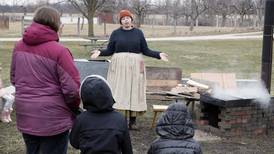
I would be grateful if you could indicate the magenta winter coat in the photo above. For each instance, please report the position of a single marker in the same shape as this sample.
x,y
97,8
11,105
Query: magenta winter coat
x,y
46,81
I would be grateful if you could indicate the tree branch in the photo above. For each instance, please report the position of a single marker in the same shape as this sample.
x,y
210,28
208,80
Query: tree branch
x,y
78,7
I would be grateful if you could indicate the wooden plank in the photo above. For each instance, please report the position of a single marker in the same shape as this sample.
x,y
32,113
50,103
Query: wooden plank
x,y
197,84
157,88
160,108
157,97
163,73
229,81
163,83
162,78
224,80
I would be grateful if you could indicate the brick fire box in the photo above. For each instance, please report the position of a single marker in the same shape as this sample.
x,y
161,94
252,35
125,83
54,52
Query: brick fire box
x,y
239,117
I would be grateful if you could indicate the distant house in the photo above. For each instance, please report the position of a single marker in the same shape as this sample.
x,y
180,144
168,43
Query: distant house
x,y
107,17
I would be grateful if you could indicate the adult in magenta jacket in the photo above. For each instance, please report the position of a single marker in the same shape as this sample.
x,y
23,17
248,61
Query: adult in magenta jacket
x,y
47,85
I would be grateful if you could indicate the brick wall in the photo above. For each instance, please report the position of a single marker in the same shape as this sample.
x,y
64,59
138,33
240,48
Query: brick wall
x,y
251,120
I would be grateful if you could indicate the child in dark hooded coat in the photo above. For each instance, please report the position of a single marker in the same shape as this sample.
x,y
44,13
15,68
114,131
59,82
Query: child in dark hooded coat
x,y
176,131
99,129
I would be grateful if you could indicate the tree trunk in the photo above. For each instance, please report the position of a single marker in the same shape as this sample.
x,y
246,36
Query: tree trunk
x,y
259,17
223,20
235,20
242,20
175,25
78,26
191,25
139,19
217,21
249,17
152,26
255,21
197,22
166,21
83,22
90,24
186,20
105,28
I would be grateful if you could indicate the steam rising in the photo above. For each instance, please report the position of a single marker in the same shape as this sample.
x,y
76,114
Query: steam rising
x,y
255,90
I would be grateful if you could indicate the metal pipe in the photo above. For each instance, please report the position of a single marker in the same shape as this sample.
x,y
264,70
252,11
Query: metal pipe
x,y
266,69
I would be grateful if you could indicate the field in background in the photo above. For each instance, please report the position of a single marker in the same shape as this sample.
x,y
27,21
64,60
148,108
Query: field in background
x,y
149,30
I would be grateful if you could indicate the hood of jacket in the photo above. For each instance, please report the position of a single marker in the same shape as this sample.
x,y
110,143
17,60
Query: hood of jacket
x,y
175,123
37,34
96,94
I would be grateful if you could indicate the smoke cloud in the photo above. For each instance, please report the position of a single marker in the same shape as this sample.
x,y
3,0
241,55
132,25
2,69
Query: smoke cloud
x,y
248,90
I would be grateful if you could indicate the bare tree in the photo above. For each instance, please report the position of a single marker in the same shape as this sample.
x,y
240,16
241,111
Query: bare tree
x,y
166,8
242,7
88,9
223,8
193,9
4,8
122,4
106,9
140,9
176,13
259,9
42,2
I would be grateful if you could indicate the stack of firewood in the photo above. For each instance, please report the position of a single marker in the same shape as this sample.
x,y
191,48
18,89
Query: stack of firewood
x,y
190,88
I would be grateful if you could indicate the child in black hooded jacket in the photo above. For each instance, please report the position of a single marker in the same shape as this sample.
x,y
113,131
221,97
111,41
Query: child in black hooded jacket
x,y
100,129
175,129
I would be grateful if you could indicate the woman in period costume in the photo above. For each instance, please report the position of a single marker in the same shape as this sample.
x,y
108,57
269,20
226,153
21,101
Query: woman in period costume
x,y
126,73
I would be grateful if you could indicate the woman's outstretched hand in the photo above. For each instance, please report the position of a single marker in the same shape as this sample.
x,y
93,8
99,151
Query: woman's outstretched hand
x,y
164,56
95,54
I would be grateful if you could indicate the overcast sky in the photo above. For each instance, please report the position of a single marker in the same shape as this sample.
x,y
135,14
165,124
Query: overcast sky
x,y
24,2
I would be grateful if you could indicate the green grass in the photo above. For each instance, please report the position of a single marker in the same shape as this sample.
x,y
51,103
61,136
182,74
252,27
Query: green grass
x,y
5,58
242,57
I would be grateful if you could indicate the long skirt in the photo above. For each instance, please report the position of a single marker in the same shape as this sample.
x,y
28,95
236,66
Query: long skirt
x,y
127,78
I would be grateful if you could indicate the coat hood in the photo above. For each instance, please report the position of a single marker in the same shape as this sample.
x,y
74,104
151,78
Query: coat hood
x,y
96,94
37,34
175,123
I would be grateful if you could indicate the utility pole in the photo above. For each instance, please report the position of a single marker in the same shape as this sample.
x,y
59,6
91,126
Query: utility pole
x,y
266,70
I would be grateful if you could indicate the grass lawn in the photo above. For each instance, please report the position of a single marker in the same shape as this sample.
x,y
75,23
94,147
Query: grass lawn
x,y
242,57
149,30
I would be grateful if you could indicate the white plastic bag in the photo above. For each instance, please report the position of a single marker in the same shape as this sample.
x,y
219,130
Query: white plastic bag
x,y
6,104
